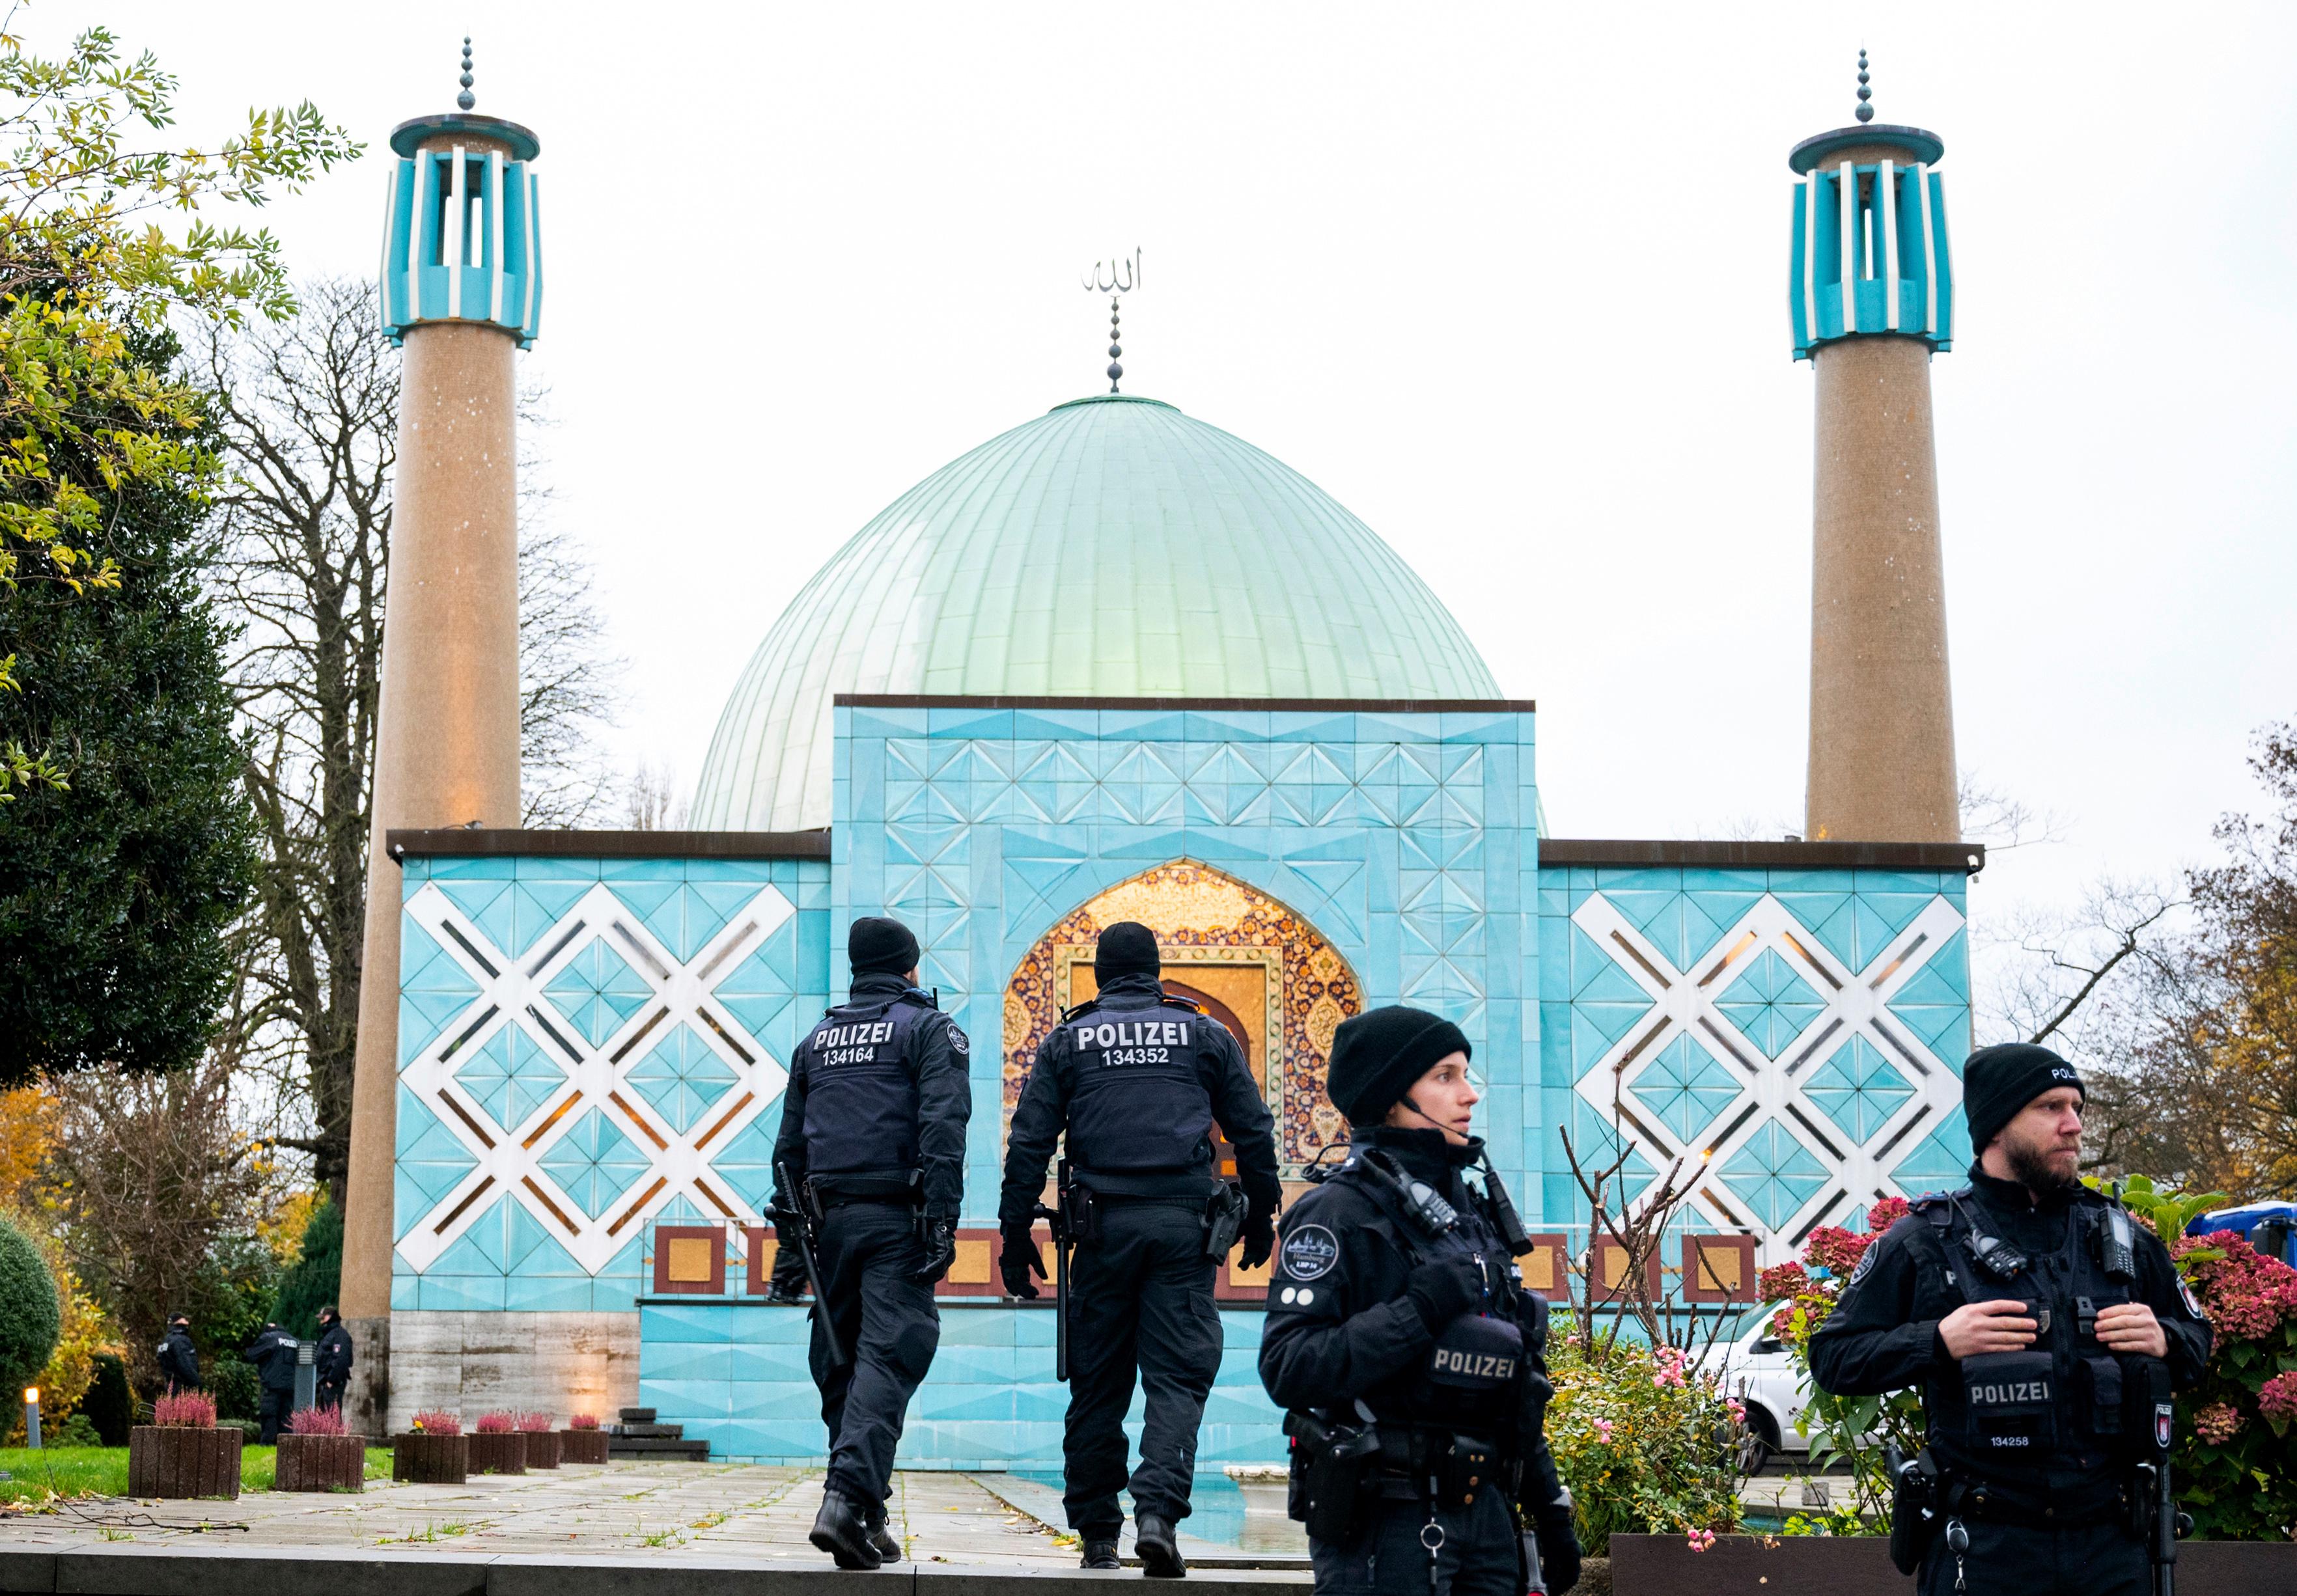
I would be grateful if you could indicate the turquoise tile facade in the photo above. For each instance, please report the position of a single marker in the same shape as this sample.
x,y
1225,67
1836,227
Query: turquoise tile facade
x,y
593,1046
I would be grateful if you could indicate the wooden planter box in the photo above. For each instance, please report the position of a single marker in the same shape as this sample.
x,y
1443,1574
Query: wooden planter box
x,y
497,1453
321,1463
1860,1566
541,1448
431,1460
171,1460
582,1446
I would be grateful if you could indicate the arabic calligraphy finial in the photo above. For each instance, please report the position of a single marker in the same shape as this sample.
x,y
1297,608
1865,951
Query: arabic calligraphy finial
x,y
466,99
1866,111
1120,276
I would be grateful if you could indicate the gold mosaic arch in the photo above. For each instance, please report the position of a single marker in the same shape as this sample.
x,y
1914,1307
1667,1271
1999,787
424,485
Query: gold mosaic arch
x,y
1287,985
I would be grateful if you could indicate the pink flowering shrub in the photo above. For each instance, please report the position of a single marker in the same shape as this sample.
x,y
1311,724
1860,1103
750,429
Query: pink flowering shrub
x,y
500,1422
1644,1439
318,1421
583,1421
2277,1399
2218,1423
184,1409
438,1421
535,1424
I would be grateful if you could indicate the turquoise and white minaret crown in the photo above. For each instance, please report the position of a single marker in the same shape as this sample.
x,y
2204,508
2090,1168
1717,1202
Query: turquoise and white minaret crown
x,y
462,235
1870,240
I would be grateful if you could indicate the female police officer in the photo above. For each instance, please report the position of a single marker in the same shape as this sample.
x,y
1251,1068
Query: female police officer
x,y
1408,1356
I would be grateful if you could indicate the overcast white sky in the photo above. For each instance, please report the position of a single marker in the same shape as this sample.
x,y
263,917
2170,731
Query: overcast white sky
x,y
1509,282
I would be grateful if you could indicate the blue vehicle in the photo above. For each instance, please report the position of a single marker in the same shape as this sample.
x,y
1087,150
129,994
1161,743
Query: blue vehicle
x,y
2271,1227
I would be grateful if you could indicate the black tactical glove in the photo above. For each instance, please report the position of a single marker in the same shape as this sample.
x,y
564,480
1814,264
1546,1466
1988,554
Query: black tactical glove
x,y
1018,1259
941,1251
1444,1288
1259,1234
1558,1546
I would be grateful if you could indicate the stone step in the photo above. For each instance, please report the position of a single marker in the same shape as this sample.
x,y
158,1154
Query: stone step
x,y
657,1447
638,1415
652,1432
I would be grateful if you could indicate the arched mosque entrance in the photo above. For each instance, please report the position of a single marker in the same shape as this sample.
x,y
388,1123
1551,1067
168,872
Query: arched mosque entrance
x,y
1260,968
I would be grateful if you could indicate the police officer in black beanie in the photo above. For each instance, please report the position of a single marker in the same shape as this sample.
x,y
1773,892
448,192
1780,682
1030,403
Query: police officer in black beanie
x,y
1138,1079
1410,1360
873,1131
2047,1333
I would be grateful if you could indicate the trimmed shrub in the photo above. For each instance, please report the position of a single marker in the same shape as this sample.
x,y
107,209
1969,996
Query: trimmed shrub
x,y
110,1405
30,1317
314,1279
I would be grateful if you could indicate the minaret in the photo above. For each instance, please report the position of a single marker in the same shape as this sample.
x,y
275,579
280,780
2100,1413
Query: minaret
x,y
1873,299
461,292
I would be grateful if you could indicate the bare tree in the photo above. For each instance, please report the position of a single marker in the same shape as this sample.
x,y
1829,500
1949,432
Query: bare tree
x,y
309,413
652,801
150,1172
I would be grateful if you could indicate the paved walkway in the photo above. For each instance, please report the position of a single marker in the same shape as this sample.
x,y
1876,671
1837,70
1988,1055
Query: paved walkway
x,y
705,1509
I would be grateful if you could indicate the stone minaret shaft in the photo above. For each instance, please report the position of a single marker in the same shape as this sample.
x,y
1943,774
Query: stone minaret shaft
x,y
1872,297
461,292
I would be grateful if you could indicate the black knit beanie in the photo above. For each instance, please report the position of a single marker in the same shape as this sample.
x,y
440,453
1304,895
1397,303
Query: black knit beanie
x,y
879,946
1127,948
1378,1054
1999,1081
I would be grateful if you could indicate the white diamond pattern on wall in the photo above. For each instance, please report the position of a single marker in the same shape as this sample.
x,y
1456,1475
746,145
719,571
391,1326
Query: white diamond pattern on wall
x,y
594,1077
1775,1063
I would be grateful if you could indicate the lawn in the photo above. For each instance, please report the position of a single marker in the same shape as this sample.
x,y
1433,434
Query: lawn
x,y
103,1470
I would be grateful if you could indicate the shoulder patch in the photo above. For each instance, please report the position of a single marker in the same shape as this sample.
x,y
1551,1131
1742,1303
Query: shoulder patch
x,y
1310,1252
959,1042
2192,1306
1865,1263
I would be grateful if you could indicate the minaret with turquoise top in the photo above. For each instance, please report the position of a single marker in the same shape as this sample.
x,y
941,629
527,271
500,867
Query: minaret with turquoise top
x,y
1870,296
460,292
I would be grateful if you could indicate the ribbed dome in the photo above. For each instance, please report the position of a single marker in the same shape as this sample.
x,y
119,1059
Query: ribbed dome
x,y
1113,547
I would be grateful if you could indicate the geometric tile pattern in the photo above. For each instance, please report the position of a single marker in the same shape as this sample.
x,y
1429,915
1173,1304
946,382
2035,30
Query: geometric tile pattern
x,y
1799,1032
571,1070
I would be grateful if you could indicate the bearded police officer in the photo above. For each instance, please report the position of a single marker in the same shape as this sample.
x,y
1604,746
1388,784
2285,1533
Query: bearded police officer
x,y
873,1136
1410,1360
2047,1333
1138,1079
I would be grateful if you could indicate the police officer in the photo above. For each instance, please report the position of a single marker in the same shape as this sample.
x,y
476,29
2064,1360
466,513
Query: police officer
x,y
273,1353
873,1133
1410,1360
179,1362
333,1359
2043,1328
1138,1079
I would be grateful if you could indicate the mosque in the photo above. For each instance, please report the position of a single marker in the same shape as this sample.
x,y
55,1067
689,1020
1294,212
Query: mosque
x,y
1115,663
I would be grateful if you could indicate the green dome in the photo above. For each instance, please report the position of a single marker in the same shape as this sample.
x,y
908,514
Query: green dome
x,y
1111,548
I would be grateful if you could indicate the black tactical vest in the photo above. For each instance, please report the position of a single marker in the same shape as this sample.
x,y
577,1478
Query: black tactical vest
x,y
2065,1396
1139,1101
861,1086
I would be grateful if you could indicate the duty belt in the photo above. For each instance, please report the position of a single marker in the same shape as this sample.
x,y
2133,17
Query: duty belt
x,y
1993,1503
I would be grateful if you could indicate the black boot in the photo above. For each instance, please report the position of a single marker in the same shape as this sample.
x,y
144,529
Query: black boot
x,y
840,1530
881,1541
1160,1553
1100,1552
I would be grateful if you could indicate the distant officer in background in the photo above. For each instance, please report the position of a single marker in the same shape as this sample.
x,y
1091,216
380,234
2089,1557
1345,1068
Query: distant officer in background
x,y
273,1353
1137,1080
2048,1332
1410,1361
179,1361
331,1370
873,1132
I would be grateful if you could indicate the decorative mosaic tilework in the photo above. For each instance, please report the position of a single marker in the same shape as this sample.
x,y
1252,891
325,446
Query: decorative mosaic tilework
x,y
1802,1031
1192,906
587,1046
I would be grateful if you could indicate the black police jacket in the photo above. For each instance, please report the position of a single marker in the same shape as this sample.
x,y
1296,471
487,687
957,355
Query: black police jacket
x,y
333,1359
273,1353
1341,1328
1137,1080
881,1085
180,1364
2041,1422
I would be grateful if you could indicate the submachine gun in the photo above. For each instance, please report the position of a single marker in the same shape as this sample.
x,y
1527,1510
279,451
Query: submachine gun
x,y
1067,1223
795,1226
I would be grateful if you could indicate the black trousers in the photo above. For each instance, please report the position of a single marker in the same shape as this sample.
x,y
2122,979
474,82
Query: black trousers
x,y
1140,1301
2018,1559
1476,1555
273,1413
888,1324
329,1395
